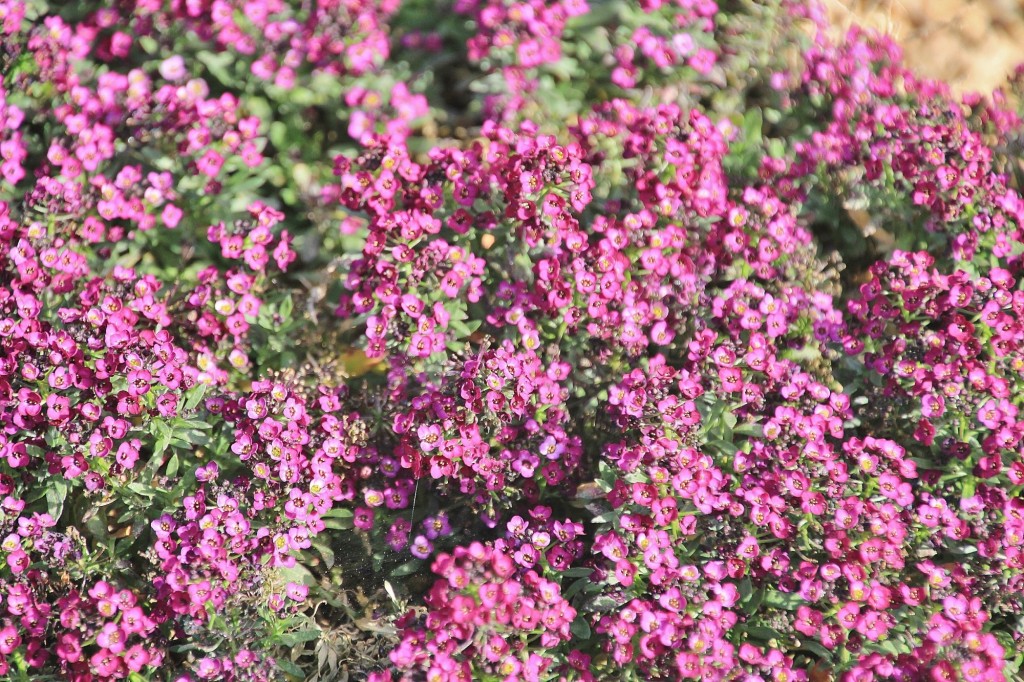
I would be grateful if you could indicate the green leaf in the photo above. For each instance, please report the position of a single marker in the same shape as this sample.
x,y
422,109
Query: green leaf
x,y
889,646
297,574
22,64
286,308
607,517
783,600
753,122
279,134
575,588
193,424
817,649
164,436
56,494
194,396
578,572
172,466
390,589
293,638
762,633
723,446
730,420
290,668
141,489
408,568
749,429
463,330
217,64
339,524
602,603
755,601
148,44
745,588
326,552
94,523
580,628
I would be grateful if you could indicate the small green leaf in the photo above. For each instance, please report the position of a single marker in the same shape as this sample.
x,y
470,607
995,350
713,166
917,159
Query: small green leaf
x,y
196,424
56,493
164,436
817,649
408,568
217,64
290,668
172,465
575,588
723,446
194,396
602,603
339,524
463,330
578,572
783,600
293,638
326,552
141,489
749,429
762,633
286,307
297,574
390,589
753,122
148,44
755,601
580,628
607,517
730,420
95,525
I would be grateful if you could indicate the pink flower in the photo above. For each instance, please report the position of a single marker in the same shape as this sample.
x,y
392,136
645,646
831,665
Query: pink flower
x,y
210,163
171,215
173,68
9,639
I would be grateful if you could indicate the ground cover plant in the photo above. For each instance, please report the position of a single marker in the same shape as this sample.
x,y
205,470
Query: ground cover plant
x,y
494,340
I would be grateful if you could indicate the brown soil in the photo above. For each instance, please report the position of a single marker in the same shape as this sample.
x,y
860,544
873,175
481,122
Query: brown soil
x,y
972,44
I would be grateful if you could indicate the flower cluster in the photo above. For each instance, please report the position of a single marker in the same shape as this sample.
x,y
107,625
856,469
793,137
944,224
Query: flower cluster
x,y
596,400
487,616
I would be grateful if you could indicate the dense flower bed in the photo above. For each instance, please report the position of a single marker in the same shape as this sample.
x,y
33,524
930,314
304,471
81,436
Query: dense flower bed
x,y
494,340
